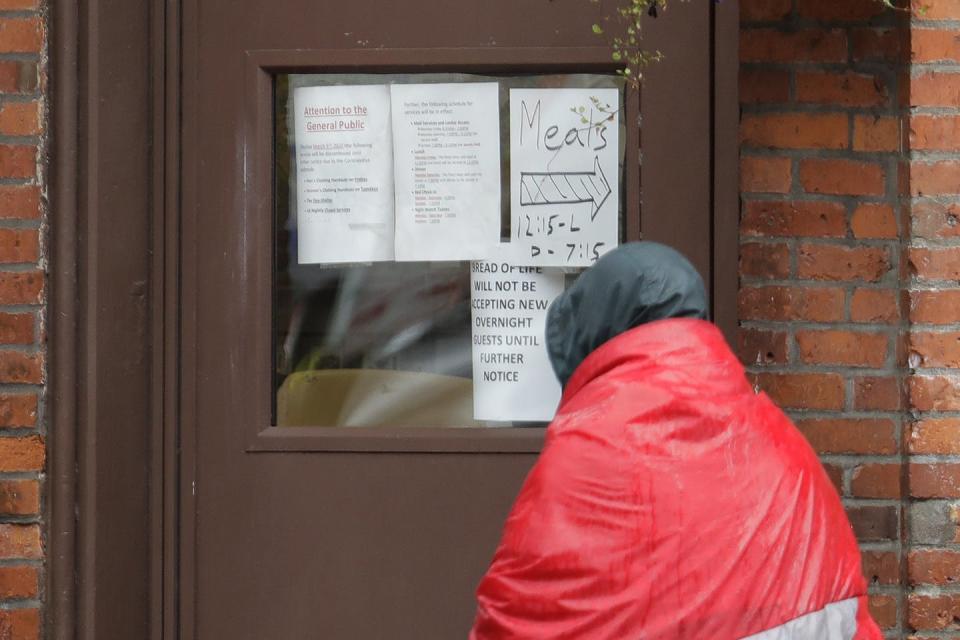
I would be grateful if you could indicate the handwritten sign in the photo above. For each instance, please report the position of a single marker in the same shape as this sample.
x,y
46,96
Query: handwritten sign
x,y
344,151
447,153
512,376
564,192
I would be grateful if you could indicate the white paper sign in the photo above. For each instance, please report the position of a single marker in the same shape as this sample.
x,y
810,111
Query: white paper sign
x,y
344,174
447,173
564,192
512,376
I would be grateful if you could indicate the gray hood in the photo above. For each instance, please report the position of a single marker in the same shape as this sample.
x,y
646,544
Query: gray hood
x,y
634,284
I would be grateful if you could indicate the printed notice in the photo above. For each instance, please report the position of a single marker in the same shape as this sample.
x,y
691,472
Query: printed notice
x,y
344,174
564,194
512,376
447,170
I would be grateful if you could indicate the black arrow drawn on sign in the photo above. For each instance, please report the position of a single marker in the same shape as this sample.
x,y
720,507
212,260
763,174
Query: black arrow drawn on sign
x,y
565,187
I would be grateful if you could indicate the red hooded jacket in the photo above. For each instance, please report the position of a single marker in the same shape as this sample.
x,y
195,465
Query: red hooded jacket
x,y
672,501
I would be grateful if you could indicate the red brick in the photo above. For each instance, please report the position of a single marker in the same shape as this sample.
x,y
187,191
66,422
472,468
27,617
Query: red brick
x,y
934,45
755,346
18,410
875,305
873,522
19,245
935,89
934,566
834,11
935,307
876,481
828,262
19,201
835,474
874,436
934,133
764,10
881,567
765,175
794,130
936,9
19,497
934,393
935,349
18,582
18,76
9,76
803,390
18,4
935,264
883,609
933,613
33,77
934,220
842,177
874,221
848,89
764,260
876,133
20,368
20,35
877,394
847,348
935,480
19,118
804,45
16,328
791,303
18,161
19,541
22,454
935,436
19,624
794,219
875,45
764,86
21,287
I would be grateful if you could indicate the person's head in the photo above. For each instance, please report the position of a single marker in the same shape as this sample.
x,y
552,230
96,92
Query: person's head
x,y
634,284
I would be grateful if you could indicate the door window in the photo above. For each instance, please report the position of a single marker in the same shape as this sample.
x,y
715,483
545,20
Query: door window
x,y
364,339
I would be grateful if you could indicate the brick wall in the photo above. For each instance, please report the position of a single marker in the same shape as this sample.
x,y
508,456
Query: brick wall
x,y
850,272
931,216
22,448
821,321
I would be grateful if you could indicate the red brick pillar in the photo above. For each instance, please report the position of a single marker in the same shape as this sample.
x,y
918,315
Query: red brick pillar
x,y
21,317
932,216
821,248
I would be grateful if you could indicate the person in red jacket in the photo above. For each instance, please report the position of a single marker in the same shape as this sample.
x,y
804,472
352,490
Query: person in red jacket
x,y
671,501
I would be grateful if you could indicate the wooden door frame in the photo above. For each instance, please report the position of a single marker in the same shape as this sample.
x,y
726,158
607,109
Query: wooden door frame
x,y
111,512
108,515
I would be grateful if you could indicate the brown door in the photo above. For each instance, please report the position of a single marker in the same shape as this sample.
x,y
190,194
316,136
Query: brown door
x,y
326,531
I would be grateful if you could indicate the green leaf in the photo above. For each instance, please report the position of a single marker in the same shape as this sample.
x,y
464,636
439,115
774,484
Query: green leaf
x,y
597,29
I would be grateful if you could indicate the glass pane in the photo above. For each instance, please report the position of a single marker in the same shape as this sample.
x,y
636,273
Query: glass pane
x,y
382,343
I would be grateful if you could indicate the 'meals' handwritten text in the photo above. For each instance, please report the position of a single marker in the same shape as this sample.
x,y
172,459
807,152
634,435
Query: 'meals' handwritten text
x,y
531,125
